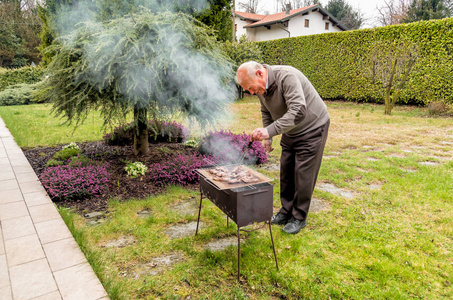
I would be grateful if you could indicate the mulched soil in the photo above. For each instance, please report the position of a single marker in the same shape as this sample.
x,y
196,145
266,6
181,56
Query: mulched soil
x,y
121,186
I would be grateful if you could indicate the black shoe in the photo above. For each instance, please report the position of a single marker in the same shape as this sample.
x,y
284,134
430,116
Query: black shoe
x,y
280,219
294,226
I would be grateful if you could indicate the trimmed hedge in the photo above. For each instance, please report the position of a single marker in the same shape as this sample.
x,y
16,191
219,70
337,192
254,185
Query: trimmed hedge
x,y
28,75
19,94
337,63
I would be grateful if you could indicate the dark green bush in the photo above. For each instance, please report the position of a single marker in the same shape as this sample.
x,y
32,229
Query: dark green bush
x,y
338,64
19,94
28,75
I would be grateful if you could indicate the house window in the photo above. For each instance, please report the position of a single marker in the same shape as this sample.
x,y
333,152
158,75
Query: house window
x,y
327,25
307,22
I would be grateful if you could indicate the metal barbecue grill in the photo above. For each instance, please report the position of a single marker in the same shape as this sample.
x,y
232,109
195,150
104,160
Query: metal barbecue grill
x,y
245,204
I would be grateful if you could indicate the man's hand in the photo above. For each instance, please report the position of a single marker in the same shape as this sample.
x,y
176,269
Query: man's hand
x,y
267,144
260,134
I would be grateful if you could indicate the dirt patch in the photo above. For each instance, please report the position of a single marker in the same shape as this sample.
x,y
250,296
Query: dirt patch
x,y
182,230
222,244
156,266
121,242
317,205
186,207
121,186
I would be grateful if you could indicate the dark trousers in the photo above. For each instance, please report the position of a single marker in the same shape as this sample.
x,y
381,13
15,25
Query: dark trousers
x,y
299,166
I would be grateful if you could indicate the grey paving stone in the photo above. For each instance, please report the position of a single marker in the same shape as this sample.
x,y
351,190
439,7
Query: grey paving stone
x,y
32,279
10,184
79,282
330,188
10,196
51,296
63,254
22,169
45,212
37,198
53,230
27,177
2,245
30,186
13,210
17,227
7,175
428,163
23,250
5,286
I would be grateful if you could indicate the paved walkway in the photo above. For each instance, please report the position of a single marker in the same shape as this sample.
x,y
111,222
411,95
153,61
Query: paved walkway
x,y
39,258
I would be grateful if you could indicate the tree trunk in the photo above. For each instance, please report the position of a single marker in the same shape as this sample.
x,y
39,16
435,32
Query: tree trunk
x,y
141,144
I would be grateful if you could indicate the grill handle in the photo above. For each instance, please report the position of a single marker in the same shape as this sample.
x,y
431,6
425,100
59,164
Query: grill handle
x,y
255,192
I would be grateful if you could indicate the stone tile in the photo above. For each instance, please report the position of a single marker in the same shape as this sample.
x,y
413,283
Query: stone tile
x,y
6,175
45,212
23,250
10,196
79,282
5,287
4,160
16,155
53,230
19,162
13,210
2,245
10,184
51,296
22,169
17,227
63,254
37,198
6,166
27,177
32,279
30,187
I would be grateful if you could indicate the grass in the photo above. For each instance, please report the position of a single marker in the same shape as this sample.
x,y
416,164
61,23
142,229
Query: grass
x,y
393,242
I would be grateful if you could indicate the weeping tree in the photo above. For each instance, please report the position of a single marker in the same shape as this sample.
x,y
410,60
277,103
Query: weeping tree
x,y
389,65
153,65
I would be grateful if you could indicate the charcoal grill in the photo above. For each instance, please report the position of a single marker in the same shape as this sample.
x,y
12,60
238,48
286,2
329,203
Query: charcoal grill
x,y
245,204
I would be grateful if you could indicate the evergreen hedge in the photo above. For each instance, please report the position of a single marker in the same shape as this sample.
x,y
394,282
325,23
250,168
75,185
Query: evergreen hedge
x,y
338,63
28,75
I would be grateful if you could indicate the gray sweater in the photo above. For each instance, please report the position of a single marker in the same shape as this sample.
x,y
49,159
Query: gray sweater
x,y
291,104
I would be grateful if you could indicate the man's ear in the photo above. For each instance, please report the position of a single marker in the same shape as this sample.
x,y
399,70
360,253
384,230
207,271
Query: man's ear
x,y
259,73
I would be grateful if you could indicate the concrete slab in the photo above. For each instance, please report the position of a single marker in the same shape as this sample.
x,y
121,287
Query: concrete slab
x,y
32,279
10,196
36,198
13,210
23,250
51,231
45,212
17,227
10,184
5,284
63,254
79,282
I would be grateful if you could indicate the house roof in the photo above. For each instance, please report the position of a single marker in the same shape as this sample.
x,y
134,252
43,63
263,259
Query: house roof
x,y
283,17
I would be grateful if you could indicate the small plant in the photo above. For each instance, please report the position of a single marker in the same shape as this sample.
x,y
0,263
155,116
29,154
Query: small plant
x,y
192,143
135,169
71,146
53,163
65,154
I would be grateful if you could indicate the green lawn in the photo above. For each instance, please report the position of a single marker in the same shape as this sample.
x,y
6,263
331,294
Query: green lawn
x,y
392,240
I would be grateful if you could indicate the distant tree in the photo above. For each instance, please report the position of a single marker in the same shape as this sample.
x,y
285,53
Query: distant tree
x,y
19,26
281,4
151,65
240,52
389,65
249,6
426,10
217,16
393,11
345,13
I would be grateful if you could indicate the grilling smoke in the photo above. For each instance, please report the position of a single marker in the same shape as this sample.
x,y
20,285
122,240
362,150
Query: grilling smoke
x,y
203,91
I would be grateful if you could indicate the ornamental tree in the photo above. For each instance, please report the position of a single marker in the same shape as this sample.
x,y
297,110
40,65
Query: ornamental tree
x,y
153,65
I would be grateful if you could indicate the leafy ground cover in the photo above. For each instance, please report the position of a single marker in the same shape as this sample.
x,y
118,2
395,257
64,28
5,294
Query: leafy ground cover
x,y
389,235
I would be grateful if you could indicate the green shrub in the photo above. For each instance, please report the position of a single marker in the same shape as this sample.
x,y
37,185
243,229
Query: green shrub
x,y
338,64
65,154
19,94
136,169
53,163
28,75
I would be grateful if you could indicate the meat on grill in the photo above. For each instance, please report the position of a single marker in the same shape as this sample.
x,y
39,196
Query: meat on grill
x,y
235,175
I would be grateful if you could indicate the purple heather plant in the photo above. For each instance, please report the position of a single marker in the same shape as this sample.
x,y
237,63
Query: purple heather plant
x,y
179,169
228,148
74,181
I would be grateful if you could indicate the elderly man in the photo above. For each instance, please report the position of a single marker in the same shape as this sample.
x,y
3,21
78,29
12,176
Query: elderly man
x,y
290,106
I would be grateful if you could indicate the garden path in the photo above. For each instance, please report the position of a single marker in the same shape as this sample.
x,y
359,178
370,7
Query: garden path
x,y
39,258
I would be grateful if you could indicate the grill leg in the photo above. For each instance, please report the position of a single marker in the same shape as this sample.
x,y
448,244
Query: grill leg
x,y
199,210
227,221
273,247
239,255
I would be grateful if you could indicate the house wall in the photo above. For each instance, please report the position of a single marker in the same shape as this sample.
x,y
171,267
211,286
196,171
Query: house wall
x,y
296,27
240,30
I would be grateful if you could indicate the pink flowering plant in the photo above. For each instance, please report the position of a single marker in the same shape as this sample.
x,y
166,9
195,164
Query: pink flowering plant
x,y
69,182
228,148
179,169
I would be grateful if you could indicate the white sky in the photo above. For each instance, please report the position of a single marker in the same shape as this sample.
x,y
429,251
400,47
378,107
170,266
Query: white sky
x,y
367,7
